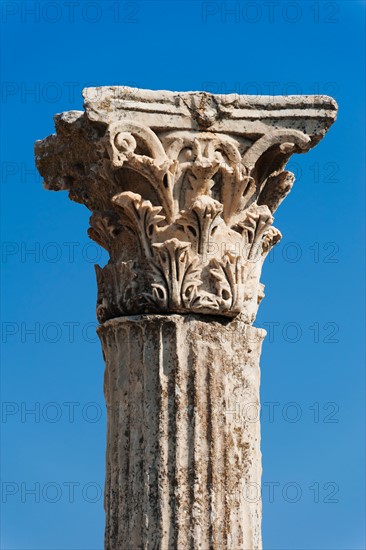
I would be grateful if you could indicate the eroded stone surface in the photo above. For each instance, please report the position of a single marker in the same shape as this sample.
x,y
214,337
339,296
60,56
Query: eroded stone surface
x,y
183,446
182,187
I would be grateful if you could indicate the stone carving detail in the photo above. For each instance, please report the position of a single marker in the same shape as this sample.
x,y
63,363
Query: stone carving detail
x,y
116,289
194,270
181,449
175,275
182,188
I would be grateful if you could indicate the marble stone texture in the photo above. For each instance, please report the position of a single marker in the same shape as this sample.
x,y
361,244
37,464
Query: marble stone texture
x,y
183,444
182,188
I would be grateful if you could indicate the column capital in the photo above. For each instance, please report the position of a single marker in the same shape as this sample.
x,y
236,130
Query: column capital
x,y
182,187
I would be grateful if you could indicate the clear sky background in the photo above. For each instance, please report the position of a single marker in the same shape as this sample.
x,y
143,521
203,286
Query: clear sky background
x,y
312,364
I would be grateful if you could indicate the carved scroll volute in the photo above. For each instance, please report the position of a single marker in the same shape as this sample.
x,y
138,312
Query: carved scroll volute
x,y
138,148
265,161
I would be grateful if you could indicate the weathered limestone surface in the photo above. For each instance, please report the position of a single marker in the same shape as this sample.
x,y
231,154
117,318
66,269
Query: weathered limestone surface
x,y
182,188
183,453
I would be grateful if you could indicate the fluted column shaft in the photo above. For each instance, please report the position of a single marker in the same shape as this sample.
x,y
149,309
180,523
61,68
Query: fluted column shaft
x,y
182,457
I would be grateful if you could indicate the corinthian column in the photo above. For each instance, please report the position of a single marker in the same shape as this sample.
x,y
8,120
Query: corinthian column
x,y
182,188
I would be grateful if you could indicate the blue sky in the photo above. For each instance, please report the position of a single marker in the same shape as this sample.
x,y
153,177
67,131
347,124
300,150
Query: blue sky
x,y
312,363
